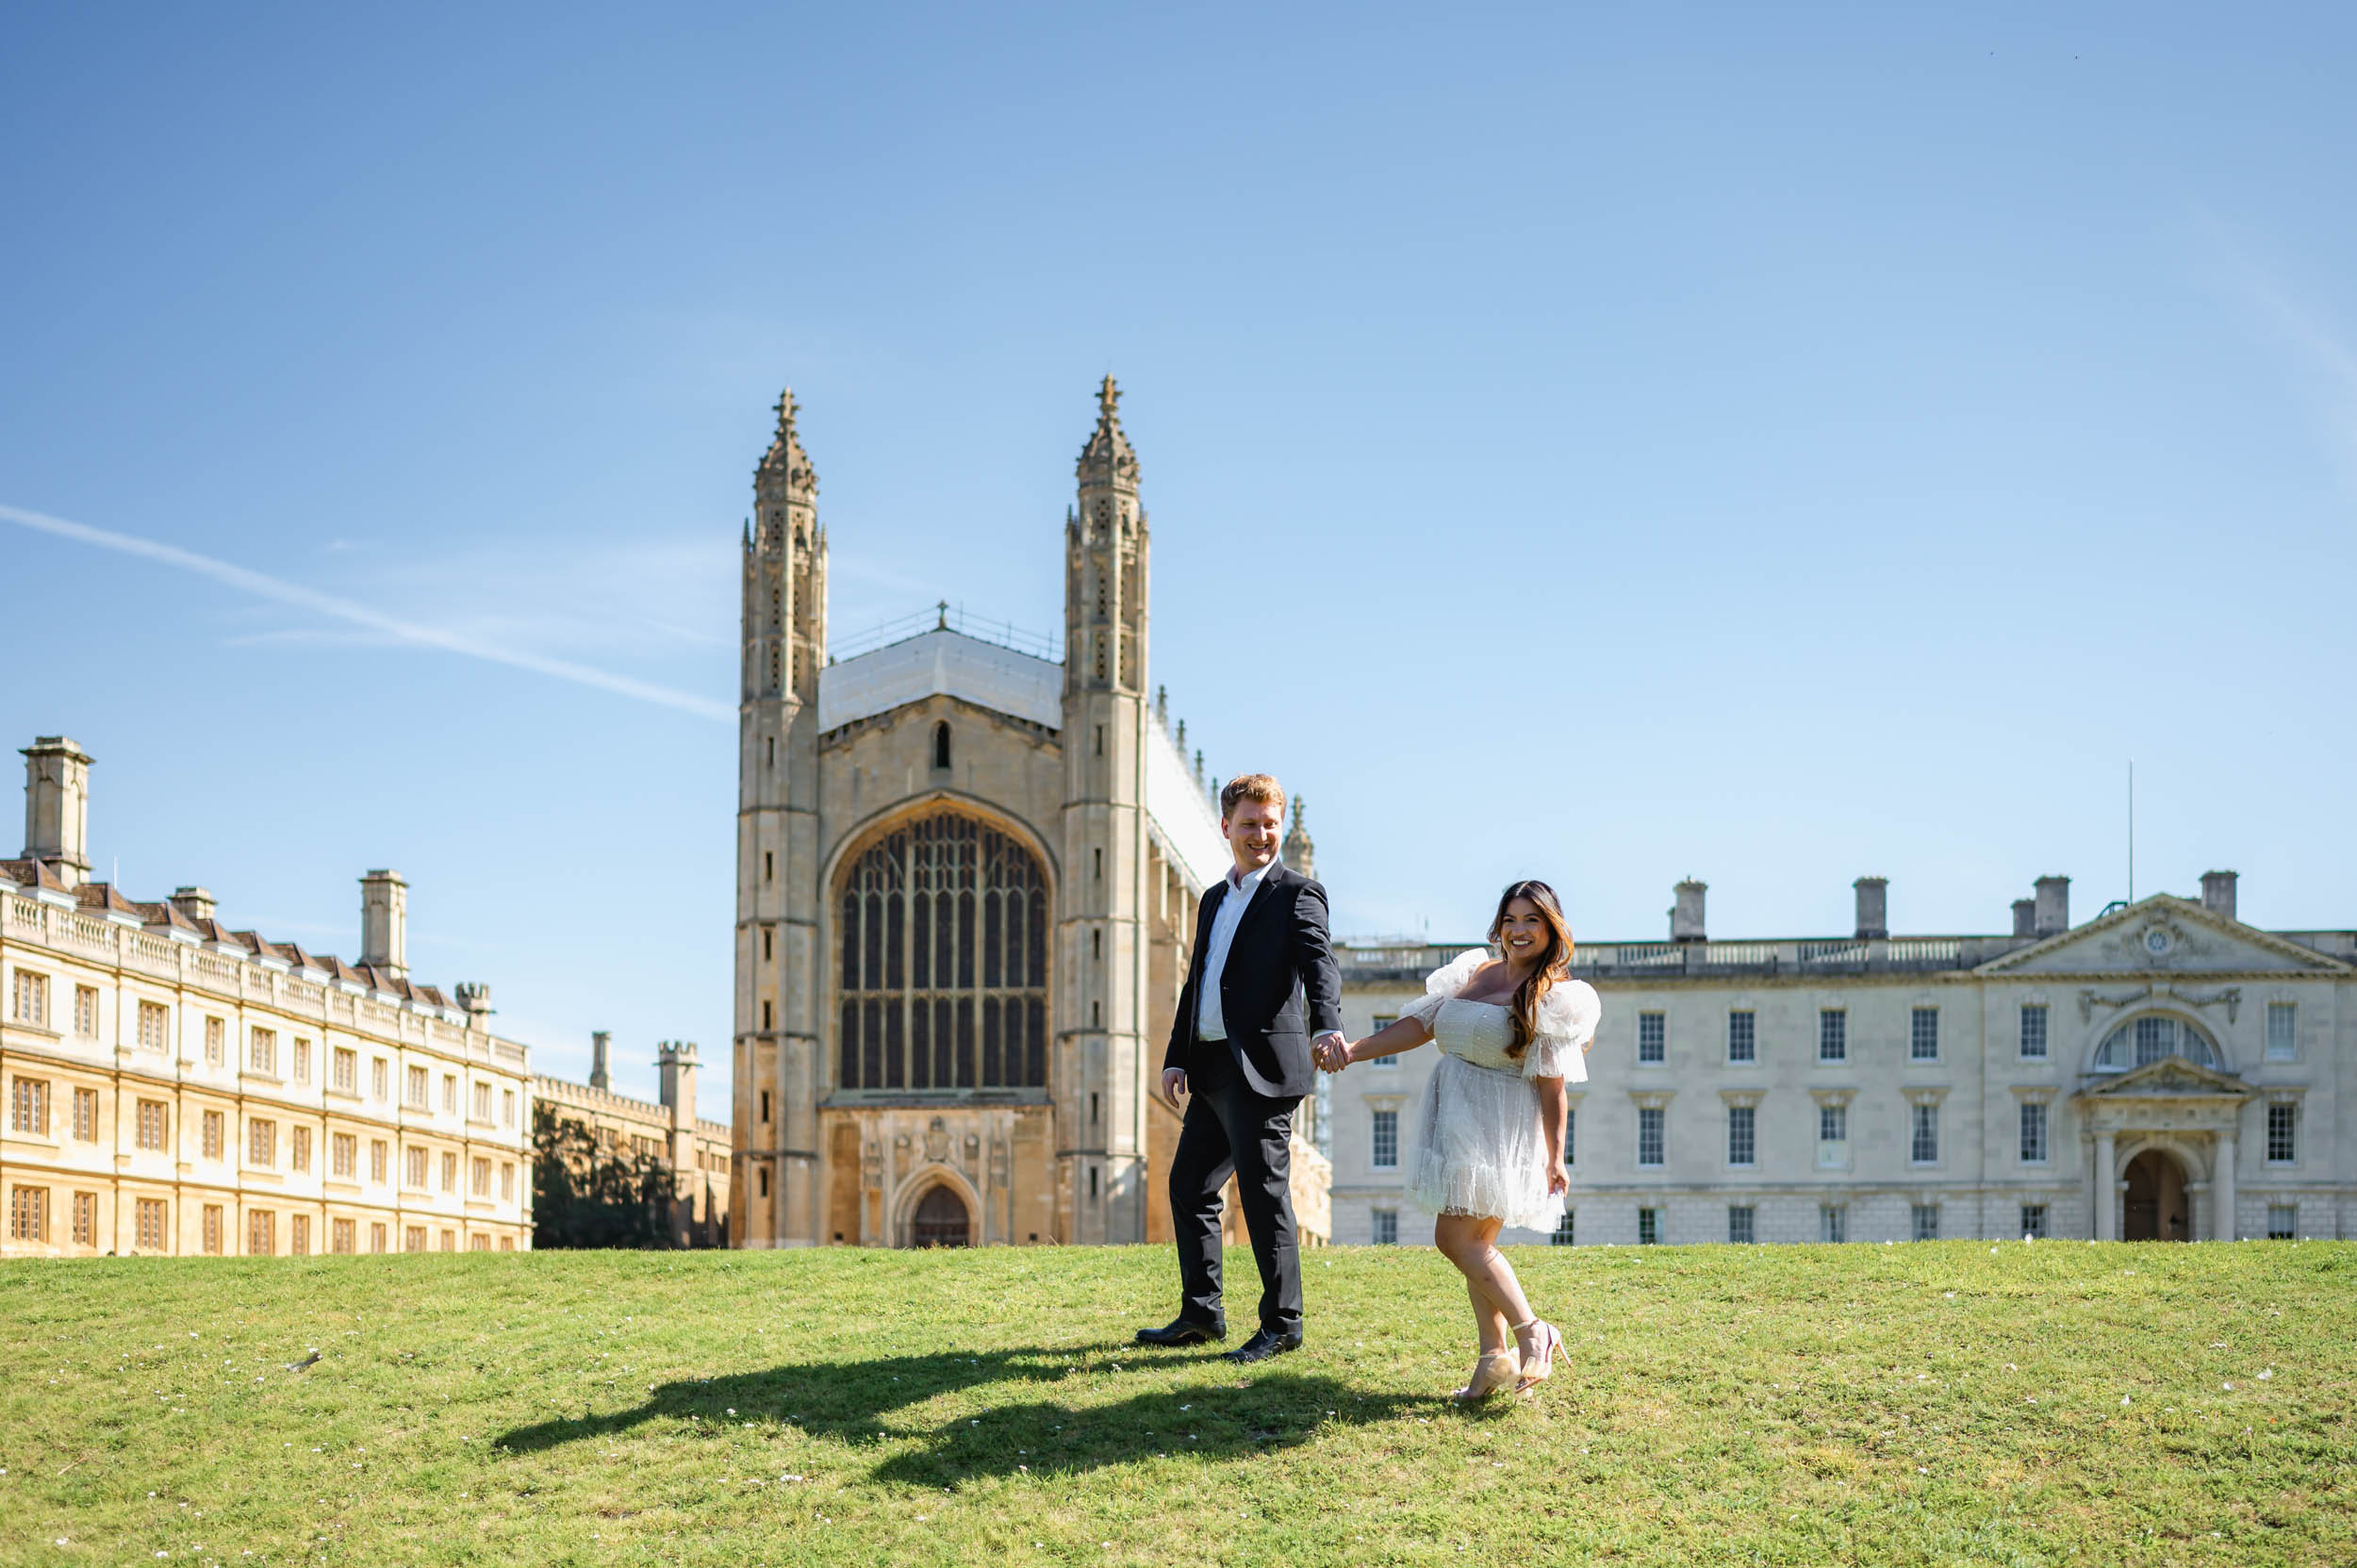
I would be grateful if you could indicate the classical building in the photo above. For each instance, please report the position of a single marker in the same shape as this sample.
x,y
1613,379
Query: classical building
x,y
2163,1071
967,872
175,1086
666,1129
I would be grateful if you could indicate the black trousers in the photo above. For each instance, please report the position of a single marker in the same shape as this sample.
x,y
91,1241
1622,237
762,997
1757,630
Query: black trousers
x,y
1230,1126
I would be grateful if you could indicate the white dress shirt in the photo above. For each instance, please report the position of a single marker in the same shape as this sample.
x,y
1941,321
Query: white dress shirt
x,y
1208,1024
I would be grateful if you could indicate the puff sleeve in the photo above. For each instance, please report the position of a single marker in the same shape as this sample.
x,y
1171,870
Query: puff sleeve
x,y
1445,982
1565,1026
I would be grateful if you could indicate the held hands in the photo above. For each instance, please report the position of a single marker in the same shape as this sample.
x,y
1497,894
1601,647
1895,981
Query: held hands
x,y
1331,1053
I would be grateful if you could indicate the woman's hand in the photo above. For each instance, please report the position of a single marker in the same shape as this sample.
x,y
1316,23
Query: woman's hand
x,y
1558,1180
1332,1055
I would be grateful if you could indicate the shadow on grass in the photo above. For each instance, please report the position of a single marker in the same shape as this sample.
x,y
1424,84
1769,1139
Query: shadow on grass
x,y
1259,1410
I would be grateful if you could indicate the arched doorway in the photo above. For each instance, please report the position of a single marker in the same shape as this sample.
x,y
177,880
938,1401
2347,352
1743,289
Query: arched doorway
x,y
940,1220
2156,1208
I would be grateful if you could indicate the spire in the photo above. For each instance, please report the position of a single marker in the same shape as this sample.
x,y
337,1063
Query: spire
x,y
1108,459
785,466
1297,851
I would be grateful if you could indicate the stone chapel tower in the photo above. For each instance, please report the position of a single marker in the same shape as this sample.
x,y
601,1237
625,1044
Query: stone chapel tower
x,y
1104,1063
778,1067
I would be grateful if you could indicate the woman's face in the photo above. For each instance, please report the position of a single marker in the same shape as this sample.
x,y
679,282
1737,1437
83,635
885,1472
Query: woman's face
x,y
1523,931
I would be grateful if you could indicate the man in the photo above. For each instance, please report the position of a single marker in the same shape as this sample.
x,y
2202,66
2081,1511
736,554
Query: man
x,y
1240,1055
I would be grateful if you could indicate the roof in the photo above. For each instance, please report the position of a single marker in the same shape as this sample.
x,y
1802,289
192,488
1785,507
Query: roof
x,y
99,898
941,663
1179,814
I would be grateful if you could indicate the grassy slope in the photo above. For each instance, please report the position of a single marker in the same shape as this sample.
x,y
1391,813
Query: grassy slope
x,y
1936,1403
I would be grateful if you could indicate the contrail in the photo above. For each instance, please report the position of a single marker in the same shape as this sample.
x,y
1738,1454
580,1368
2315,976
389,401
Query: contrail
x,y
360,615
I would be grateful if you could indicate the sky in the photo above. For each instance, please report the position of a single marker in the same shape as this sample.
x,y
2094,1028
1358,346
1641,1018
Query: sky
x,y
1772,444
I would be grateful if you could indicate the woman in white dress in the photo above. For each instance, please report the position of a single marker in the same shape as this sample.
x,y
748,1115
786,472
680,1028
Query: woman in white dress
x,y
1490,1137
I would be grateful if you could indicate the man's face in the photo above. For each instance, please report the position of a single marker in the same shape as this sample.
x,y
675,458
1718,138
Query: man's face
x,y
1252,832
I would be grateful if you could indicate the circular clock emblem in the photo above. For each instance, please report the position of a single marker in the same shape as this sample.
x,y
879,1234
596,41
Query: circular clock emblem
x,y
2156,941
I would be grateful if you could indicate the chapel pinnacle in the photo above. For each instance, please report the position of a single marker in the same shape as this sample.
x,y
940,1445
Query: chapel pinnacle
x,y
785,457
1108,459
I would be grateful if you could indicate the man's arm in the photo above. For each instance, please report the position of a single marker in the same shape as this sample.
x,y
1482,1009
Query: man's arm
x,y
1314,961
1183,1021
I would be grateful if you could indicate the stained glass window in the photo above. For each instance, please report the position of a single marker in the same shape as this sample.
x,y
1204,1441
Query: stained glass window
x,y
943,972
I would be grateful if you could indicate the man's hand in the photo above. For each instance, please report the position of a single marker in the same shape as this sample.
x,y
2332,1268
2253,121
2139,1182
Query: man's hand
x,y
1331,1051
1173,1084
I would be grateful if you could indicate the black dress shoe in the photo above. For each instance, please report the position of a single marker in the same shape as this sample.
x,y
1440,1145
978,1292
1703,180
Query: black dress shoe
x,y
1262,1346
1183,1333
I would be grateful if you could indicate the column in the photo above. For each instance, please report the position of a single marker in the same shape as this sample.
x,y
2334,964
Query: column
x,y
2223,1188
2107,1189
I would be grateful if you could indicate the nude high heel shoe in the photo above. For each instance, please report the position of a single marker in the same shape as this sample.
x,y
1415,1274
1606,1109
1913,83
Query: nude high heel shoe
x,y
1492,1372
1540,1364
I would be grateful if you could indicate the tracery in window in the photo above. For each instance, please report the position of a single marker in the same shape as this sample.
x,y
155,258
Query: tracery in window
x,y
2152,1038
943,961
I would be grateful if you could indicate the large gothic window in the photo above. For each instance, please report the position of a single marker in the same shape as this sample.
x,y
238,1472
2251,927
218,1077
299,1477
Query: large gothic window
x,y
944,973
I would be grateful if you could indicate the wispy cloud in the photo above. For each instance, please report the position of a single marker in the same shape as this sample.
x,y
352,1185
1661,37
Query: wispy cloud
x,y
657,595
315,636
2329,354
394,628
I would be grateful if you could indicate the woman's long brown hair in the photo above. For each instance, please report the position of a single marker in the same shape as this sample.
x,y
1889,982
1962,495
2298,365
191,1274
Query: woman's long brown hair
x,y
1554,964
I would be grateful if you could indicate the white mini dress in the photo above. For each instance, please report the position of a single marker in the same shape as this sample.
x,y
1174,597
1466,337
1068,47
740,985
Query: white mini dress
x,y
1479,1149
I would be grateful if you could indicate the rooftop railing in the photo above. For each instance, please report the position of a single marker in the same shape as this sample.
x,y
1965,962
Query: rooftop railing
x,y
1640,960
945,617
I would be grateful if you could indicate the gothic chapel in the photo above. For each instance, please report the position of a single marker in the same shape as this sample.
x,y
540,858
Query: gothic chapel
x,y
967,882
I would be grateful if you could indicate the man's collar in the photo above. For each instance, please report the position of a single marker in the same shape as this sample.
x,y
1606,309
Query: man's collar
x,y
1250,879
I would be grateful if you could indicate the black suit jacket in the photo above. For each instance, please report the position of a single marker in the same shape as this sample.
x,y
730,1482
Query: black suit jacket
x,y
1280,967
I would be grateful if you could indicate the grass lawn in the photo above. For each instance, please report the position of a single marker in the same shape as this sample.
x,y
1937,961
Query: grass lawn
x,y
1938,1403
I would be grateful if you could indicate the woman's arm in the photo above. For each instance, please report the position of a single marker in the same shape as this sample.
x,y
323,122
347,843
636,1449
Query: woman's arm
x,y
1398,1036
1552,1104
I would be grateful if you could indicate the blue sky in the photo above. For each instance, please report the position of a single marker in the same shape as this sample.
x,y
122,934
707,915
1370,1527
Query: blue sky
x,y
1773,444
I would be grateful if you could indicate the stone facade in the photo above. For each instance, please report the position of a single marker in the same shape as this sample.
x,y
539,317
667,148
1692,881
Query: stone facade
x,y
968,868
2161,1071
668,1130
175,1086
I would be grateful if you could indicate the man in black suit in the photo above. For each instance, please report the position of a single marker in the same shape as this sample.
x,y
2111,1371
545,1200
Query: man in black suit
x,y
1240,1053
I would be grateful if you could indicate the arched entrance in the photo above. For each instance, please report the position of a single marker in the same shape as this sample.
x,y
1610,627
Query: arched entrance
x,y
2156,1207
940,1220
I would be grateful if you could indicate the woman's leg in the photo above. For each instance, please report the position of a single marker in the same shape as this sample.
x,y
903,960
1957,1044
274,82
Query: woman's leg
x,y
1469,1241
1496,1333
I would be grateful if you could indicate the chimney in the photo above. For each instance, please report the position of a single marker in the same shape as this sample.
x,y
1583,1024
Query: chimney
x,y
2025,917
384,923
2053,906
194,903
1874,908
56,808
1686,915
475,997
675,1066
2217,893
599,1077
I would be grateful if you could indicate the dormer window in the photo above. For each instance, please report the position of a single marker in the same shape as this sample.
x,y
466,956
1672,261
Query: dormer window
x,y
2140,1042
941,744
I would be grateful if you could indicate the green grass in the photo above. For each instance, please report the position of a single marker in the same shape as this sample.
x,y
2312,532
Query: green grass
x,y
1947,1402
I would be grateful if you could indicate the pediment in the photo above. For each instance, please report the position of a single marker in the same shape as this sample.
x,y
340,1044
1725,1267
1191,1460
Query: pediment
x,y
2172,1078
2163,935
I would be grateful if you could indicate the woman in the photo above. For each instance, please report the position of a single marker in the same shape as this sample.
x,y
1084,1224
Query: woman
x,y
1511,1031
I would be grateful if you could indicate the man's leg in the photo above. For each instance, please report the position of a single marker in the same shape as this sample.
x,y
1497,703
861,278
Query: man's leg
x,y
1199,1169
1259,1132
